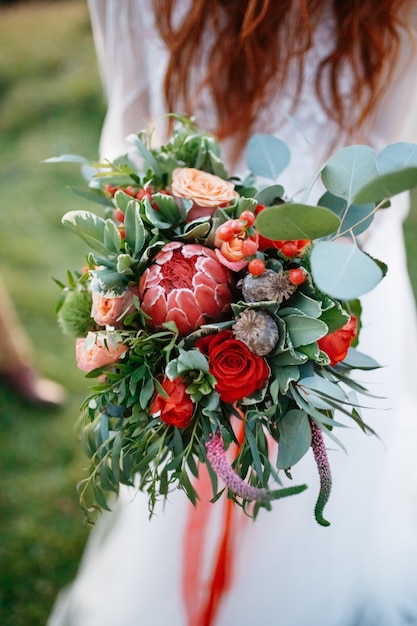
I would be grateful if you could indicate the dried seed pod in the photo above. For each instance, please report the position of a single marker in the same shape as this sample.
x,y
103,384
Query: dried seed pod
x,y
257,330
271,285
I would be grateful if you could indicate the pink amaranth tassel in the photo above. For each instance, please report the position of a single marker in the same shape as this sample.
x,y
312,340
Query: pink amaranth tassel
x,y
217,459
320,456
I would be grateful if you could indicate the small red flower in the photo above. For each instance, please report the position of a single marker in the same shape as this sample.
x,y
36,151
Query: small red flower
x,y
238,371
336,345
178,408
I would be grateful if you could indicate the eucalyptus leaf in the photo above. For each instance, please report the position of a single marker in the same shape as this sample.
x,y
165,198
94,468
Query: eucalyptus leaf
x,y
343,271
271,195
396,167
291,221
267,156
294,438
355,218
348,170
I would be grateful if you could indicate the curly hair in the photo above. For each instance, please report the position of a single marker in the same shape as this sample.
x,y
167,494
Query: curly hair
x,y
250,46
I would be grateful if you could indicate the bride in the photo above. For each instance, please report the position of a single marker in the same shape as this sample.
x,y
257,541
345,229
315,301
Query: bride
x,y
319,74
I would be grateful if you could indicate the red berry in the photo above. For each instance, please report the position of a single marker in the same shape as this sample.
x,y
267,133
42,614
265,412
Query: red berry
x,y
256,267
111,189
225,233
236,226
131,191
289,248
143,193
259,208
119,215
249,247
248,216
297,276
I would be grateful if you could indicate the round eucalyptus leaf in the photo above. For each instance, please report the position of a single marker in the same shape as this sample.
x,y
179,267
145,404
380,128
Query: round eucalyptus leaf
x,y
296,221
396,172
267,156
356,217
349,170
343,271
270,195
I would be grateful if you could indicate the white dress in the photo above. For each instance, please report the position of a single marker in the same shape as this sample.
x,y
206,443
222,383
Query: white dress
x,y
360,571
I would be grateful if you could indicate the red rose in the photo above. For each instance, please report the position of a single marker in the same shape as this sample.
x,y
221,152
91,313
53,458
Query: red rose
x,y
237,370
336,344
178,408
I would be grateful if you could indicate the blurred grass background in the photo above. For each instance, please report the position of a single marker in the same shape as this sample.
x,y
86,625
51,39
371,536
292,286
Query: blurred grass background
x,y
50,103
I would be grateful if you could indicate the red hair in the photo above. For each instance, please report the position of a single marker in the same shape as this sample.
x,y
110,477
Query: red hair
x,y
247,48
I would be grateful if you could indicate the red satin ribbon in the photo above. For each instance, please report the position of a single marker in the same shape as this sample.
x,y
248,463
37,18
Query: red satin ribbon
x,y
202,598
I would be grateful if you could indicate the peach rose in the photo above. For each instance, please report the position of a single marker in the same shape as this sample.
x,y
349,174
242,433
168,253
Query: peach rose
x,y
231,254
109,310
207,191
98,354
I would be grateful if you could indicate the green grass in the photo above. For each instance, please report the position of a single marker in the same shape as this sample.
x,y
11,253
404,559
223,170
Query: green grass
x,y
50,103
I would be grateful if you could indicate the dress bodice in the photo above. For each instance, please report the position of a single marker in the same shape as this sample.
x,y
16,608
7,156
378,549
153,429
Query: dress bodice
x,y
133,59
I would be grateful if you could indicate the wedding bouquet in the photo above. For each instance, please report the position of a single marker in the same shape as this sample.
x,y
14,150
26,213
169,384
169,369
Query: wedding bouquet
x,y
220,318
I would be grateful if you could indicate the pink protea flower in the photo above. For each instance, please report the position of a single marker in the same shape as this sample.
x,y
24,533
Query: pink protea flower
x,y
186,284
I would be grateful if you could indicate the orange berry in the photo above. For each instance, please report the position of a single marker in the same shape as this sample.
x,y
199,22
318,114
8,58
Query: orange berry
x,y
256,267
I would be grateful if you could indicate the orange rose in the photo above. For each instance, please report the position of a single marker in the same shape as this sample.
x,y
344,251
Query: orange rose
x,y
110,310
207,191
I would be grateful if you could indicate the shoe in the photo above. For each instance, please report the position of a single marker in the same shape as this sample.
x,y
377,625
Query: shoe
x,y
33,389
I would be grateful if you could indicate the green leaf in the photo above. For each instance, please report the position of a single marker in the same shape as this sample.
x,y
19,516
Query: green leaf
x,y
348,170
146,393
267,156
296,221
396,167
135,233
149,159
268,196
358,360
314,389
343,271
112,238
304,330
67,158
356,218
294,438
89,227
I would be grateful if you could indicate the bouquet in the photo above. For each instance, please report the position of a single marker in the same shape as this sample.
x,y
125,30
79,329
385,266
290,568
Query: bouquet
x,y
219,318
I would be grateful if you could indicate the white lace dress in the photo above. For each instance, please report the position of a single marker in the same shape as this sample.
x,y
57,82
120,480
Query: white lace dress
x,y
360,571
